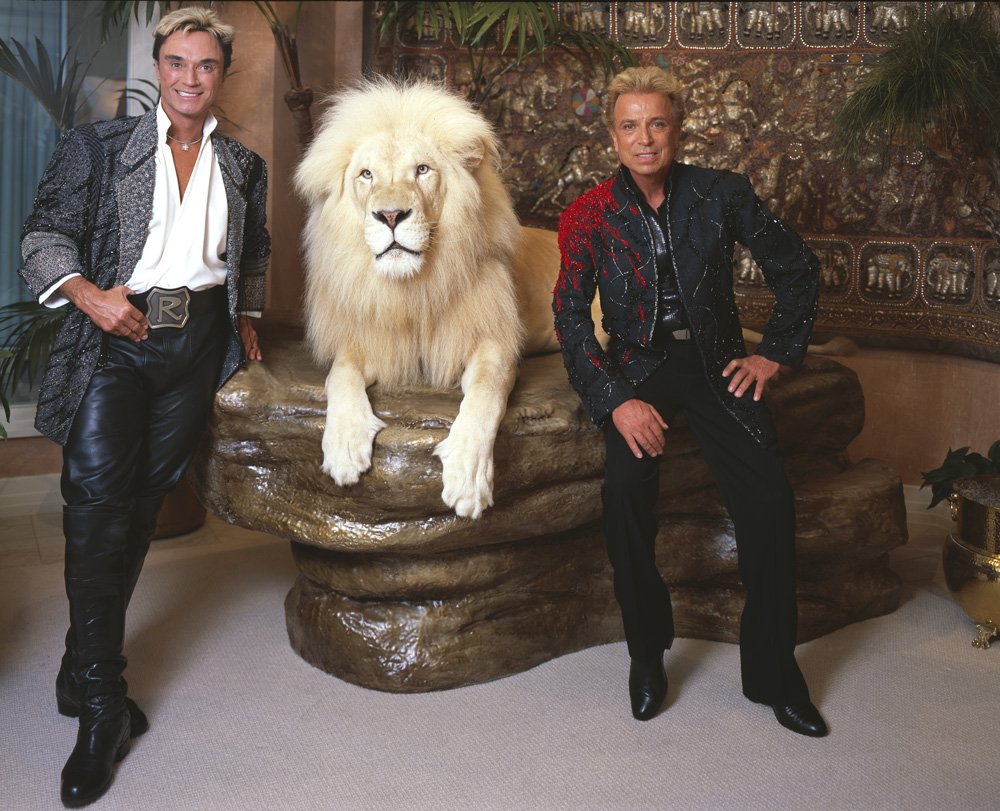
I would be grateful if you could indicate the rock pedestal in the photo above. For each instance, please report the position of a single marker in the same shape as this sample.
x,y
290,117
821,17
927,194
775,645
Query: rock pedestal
x,y
397,593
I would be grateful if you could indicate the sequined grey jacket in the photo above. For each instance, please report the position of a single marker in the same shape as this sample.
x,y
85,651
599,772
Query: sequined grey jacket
x,y
91,216
607,246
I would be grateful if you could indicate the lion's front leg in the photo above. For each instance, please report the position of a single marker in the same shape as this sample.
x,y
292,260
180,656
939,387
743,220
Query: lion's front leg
x,y
467,452
351,425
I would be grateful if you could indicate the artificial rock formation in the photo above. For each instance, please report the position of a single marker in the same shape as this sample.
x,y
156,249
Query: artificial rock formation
x,y
397,593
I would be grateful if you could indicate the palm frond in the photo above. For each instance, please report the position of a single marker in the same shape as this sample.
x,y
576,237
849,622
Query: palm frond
x,y
940,77
29,329
115,13
519,31
54,84
147,93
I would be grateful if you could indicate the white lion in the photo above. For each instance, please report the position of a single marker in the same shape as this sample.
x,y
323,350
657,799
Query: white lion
x,y
418,272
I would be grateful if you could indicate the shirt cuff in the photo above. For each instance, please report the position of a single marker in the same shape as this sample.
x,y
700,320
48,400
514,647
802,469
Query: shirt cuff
x,y
51,298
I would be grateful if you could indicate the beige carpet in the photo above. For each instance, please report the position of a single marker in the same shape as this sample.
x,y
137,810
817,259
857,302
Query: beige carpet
x,y
240,722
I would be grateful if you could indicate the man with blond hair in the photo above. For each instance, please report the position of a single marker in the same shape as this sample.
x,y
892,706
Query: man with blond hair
x,y
656,243
151,232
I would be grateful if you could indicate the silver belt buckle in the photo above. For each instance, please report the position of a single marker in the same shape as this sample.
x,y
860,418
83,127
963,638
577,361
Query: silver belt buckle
x,y
682,334
168,308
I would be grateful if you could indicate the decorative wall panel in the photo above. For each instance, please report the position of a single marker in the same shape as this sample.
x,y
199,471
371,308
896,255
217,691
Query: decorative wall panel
x,y
906,260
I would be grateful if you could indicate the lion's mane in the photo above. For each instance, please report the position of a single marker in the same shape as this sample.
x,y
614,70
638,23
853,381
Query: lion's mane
x,y
421,328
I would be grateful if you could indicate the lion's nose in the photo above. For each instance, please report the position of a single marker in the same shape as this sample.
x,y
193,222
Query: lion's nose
x,y
391,217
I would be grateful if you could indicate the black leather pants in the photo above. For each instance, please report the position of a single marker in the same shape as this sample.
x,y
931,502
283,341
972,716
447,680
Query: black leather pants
x,y
131,441
760,502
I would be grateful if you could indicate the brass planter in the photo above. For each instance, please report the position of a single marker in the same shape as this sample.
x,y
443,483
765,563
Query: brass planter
x,y
971,554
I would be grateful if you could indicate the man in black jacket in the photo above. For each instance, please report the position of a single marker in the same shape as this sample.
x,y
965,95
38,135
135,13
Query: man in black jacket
x,y
656,242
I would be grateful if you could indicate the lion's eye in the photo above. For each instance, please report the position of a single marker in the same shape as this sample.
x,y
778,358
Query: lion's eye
x,y
423,169
366,174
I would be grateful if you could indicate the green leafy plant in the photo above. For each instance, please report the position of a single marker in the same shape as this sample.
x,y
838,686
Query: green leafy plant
x,y
938,80
936,86
519,31
30,329
55,84
957,465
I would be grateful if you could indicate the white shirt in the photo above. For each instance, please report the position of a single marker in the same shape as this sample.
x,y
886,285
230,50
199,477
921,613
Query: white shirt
x,y
186,238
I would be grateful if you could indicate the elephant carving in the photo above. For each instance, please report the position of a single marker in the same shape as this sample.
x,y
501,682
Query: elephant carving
x,y
644,26
827,22
948,277
889,17
767,23
703,21
586,17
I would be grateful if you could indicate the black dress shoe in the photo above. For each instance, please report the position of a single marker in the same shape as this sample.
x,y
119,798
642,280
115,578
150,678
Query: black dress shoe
x,y
68,704
647,687
102,741
802,718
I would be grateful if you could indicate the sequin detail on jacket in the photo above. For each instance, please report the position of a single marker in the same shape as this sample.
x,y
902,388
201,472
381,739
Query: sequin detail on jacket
x,y
607,249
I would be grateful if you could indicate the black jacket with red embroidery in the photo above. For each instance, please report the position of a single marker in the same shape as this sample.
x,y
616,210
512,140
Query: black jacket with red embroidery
x,y
607,246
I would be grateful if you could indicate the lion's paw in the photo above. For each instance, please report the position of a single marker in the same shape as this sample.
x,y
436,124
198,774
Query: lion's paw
x,y
467,475
347,448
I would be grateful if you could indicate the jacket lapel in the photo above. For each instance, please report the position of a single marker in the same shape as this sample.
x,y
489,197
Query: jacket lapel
x,y
688,266
134,194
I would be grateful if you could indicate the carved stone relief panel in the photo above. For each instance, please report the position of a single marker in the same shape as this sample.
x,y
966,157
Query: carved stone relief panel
x,y
888,272
949,275
883,20
644,25
765,25
763,81
991,278
591,18
836,259
703,25
829,24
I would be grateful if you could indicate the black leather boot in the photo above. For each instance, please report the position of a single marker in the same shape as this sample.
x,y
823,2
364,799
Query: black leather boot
x,y
68,701
102,741
142,525
95,575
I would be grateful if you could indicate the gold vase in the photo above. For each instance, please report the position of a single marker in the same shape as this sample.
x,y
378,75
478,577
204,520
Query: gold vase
x,y
971,554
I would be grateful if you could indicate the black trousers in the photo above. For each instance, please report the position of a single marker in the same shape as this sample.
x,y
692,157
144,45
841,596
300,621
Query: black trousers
x,y
131,441
759,499
144,411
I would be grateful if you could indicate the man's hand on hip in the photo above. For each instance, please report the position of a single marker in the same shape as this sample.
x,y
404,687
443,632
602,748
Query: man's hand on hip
x,y
754,370
110,310
641,426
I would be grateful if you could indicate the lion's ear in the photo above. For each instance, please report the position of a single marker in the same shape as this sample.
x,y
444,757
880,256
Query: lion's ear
x,y
479,151
320,173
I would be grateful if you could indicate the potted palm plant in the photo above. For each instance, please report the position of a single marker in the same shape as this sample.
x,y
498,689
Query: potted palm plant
x,y
971,555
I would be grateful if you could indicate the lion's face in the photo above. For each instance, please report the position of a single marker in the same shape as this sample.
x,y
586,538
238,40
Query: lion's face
x,y
399,191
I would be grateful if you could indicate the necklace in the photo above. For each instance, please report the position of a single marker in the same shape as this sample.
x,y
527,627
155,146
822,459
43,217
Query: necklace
x,y
186,145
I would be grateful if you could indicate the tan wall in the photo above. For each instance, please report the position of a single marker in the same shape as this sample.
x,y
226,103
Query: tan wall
x,y
920,404
330,45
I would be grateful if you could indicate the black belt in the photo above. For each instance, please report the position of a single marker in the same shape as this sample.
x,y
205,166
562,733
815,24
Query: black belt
x,y
173,308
